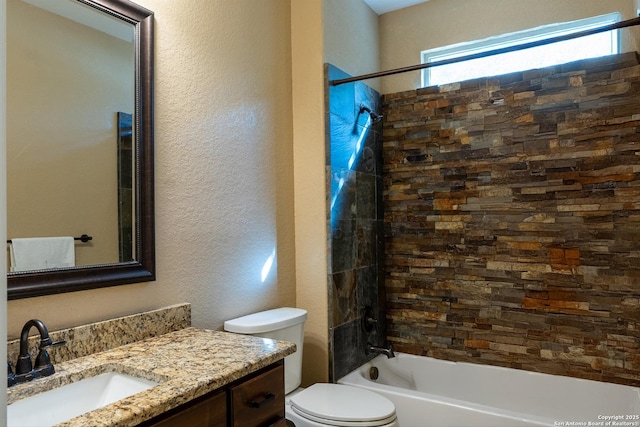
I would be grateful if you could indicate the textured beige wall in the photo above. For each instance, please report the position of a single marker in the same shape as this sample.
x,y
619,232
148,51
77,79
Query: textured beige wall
x,y
62,125
344,33
224,174
309,173
407,32
225,169
3,211
351,38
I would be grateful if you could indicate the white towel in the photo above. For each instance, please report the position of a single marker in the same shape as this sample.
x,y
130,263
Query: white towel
x,y
40,253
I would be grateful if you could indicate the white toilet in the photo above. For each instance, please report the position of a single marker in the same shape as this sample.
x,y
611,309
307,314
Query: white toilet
x,y
319,405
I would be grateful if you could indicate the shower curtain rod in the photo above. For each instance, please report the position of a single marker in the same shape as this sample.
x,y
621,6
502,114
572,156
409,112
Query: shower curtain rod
x,y
617,25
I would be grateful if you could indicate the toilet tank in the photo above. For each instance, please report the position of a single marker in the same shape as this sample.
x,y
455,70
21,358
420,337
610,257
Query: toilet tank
x,y
284,324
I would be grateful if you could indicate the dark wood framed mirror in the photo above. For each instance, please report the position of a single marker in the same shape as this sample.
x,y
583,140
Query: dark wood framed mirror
x,y
139,264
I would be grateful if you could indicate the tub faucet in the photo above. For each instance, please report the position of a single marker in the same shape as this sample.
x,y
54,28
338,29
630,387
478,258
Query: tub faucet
x,y
372,349
43,367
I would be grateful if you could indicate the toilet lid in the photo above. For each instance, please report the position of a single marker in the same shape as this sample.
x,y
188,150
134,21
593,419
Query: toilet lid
x,y
342,405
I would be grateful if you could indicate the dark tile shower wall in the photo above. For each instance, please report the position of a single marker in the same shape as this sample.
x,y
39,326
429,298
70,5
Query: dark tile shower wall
x,y
355,222
513,220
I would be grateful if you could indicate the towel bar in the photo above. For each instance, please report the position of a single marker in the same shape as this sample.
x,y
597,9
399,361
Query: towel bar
x,y
84,238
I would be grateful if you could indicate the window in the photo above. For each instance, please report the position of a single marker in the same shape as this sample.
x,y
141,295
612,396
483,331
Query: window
x,y
600,44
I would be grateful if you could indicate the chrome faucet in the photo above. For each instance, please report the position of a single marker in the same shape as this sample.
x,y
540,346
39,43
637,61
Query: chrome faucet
x,y
42,367
372,349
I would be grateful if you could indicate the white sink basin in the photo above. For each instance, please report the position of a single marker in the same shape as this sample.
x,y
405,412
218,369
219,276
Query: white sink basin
x,y
69,401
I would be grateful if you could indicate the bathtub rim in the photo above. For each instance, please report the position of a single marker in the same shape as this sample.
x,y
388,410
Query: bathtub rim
x,y
357,378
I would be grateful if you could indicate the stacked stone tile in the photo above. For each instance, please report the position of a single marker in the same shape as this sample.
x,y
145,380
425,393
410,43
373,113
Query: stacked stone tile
x,y
512,220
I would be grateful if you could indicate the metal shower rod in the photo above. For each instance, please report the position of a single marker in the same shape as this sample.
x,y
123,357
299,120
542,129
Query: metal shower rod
x,y
610,27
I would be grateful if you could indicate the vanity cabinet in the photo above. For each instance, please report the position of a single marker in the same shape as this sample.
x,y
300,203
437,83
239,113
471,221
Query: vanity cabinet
x,y
256,400
208,411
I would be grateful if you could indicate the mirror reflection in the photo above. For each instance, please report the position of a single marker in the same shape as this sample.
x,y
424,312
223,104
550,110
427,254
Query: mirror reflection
x,y
70,162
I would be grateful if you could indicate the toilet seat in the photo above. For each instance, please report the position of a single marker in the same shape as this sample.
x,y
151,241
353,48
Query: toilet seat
x,y
342,405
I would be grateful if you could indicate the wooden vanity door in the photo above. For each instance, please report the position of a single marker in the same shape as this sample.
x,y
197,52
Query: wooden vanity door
x,y
260,400
254,401
210,411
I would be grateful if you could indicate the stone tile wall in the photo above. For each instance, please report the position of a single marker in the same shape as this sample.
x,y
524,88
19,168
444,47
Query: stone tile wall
x,y
354,221
512,220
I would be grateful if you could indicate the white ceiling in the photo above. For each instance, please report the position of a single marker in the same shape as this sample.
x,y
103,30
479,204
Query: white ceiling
x,y
384,6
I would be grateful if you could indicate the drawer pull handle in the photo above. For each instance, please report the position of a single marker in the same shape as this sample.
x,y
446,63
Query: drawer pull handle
x,y
268,397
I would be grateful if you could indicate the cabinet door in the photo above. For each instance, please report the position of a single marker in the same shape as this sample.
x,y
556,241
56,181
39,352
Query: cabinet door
x,y
210,411
259,402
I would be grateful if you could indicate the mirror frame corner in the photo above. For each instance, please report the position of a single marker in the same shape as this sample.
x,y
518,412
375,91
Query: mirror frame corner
x,y
47,282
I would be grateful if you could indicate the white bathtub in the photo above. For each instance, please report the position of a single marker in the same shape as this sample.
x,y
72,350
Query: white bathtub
x,y
435,393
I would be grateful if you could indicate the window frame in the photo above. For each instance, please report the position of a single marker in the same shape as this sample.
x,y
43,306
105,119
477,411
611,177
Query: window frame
x,y
432,56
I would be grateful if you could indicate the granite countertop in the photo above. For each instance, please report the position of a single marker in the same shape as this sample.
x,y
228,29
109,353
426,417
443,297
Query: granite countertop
x,y
187,363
